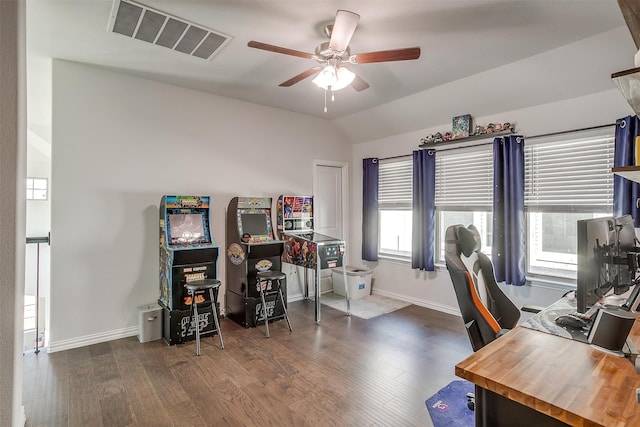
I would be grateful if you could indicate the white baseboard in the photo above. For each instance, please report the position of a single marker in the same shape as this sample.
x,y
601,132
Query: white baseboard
x,y
295,297
91,339
420,302
86,340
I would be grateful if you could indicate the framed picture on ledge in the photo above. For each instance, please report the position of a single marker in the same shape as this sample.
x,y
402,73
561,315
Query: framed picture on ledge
x,y
460,126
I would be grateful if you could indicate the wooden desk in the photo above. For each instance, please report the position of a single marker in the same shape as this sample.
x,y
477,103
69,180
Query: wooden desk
x,y
554,380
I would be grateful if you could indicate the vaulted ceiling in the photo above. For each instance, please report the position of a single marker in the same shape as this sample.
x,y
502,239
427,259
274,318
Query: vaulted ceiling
x,y
456,38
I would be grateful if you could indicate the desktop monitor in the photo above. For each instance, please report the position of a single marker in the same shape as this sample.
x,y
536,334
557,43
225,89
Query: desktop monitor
x,y
595,238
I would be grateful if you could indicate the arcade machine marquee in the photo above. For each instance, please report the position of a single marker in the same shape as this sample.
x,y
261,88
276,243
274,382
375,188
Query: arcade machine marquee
x,y
304,247
187,253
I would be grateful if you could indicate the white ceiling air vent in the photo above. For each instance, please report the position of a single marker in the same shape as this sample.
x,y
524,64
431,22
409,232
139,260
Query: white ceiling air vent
x,y
143,23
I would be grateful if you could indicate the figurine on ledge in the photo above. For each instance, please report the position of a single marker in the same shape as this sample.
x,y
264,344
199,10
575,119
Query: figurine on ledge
x,y
492,128
477,130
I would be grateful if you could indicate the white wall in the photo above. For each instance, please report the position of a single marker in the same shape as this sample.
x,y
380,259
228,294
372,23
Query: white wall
x,y
434,289
553,76
38,166
12,209
120,143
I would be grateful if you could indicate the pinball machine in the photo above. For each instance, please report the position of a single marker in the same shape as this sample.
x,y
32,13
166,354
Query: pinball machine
x,y
306,248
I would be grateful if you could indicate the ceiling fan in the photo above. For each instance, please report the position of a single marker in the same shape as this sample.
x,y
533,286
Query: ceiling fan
x,y
332,56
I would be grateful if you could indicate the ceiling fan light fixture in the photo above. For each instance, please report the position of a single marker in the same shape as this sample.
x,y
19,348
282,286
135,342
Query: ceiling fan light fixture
x,y
334,78
345,78
326,77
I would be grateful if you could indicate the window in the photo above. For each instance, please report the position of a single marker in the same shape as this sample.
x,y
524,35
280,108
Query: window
x,y
395,186
567,178
460,199
464,193
37,188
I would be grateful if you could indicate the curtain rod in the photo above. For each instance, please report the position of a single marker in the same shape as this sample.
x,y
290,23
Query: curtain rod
x,y
525,137
574,130
395,157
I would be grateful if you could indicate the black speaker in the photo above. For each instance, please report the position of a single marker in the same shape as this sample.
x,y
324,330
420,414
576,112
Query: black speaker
x,y
611,328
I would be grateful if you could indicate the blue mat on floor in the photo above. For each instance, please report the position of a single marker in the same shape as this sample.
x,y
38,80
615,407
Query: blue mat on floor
x,y
448,407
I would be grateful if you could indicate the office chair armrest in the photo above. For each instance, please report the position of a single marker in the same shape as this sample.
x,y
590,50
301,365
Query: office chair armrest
x,y
532,308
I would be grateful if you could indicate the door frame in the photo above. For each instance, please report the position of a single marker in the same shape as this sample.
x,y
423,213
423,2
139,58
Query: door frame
x,y
344,169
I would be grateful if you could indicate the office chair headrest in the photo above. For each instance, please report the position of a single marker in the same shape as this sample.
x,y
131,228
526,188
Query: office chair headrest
x,y
469,240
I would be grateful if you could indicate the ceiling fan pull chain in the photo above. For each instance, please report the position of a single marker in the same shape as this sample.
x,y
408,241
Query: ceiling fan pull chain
x,y
325,101
333,96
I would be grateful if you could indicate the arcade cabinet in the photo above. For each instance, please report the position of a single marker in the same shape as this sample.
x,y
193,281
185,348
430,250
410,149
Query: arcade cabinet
x,y
251,247
305,248
187,254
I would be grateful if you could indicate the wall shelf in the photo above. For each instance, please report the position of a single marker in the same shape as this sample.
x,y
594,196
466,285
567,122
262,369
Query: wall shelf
x,y
467,139
628,83
632,173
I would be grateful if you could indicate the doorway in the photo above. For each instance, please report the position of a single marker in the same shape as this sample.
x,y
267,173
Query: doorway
x,y
330,198
330,180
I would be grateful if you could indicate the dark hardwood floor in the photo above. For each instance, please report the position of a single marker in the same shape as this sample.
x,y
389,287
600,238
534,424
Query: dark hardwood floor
x,y
343,372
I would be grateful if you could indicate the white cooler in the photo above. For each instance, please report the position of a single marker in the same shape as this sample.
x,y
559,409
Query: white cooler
x,y
358,280
149,322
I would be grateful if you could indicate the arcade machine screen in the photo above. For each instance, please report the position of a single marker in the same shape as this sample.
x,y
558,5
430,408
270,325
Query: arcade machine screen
x,y
256,224
187,228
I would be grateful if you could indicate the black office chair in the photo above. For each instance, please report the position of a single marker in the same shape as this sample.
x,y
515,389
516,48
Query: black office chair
x,y
486,311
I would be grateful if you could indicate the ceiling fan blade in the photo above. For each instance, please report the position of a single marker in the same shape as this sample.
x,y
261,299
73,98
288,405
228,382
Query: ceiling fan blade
x,y
358,84
343,29
278,49
293,80
386,56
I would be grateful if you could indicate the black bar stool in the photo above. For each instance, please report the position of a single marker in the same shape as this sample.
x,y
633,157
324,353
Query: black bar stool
x,y
213,286
275,277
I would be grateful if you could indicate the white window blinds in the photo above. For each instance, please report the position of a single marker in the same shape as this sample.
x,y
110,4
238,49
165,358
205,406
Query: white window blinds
x,y
395,184
464,179
570,173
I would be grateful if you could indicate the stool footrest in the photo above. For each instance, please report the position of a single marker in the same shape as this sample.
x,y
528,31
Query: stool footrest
x,y
212,285
276,288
